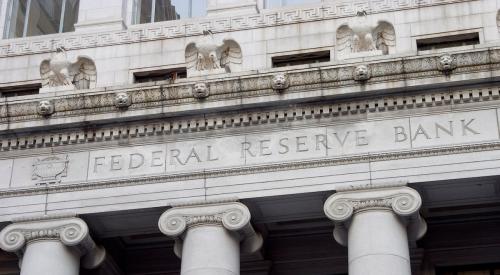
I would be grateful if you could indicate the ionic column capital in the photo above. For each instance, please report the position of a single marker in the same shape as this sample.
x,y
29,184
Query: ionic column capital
x,y
68,229
231,215
402,200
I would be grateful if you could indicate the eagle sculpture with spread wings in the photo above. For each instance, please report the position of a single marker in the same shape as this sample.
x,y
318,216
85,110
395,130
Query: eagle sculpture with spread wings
x,y
362,35
208,56
59,71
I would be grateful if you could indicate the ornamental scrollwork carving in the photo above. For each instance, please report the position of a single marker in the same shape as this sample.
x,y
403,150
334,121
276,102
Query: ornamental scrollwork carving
x,y
365,35
403,201
60,71
71,231
209,56
233,216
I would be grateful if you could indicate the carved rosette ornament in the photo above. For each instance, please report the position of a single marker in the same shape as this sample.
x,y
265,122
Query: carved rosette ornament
x,y
362,73
447,63
45,108
233,216
200,90
122,100
69,230
280,82
403,201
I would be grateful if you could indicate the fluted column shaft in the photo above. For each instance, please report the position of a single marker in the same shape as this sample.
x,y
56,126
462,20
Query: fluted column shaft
x,y
51,245
375,225
210,236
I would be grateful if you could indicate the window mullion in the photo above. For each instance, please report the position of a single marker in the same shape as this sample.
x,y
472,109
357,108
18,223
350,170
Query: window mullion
x,y
27,18
190,9
61,21
153,8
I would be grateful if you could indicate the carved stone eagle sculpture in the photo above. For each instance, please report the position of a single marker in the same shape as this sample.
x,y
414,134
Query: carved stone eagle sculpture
x,y
209,56
59,71
362,35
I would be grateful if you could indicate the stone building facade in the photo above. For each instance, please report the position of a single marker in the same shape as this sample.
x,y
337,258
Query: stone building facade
x,y
223,137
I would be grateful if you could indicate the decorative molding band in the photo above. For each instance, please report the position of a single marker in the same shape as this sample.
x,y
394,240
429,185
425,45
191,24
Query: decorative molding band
x,y
157,100
70,231
403,201
200,123
233,216
267,168
191,27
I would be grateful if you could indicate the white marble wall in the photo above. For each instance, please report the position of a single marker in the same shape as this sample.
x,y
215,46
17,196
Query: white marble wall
x,y
116,62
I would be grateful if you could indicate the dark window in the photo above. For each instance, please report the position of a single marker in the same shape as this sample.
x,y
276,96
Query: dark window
x,y
302,58
490,269
20,90
448,41
38,17
150,11
159,75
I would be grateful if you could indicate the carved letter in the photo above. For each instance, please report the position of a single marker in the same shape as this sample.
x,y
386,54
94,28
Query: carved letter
x,y
174,154
421,131
342,142
284,146
156,158
321,139
136,157
449,131
97,164
193,154
361,138
400,134
116,162
465,127
245,147
264,147
300,143
209,154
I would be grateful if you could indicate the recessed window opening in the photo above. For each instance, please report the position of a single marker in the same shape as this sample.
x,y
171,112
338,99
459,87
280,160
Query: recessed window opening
x,y
39,17
159,75
20,90
300,59
150,11
448,41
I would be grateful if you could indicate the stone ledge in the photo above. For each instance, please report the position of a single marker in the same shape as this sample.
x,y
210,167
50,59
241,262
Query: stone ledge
x,y
246,91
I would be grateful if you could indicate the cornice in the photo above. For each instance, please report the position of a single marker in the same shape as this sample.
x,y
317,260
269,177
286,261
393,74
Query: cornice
x,y
192,27
152,102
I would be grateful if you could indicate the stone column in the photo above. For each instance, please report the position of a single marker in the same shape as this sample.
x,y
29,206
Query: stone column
x,y
376,224
51,245
210,236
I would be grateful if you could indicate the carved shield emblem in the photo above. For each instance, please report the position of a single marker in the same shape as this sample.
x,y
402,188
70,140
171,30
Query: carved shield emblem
x,y
50,169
